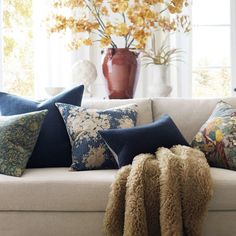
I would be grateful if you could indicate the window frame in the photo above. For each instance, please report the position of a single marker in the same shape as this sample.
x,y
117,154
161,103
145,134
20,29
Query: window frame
x,y
184,72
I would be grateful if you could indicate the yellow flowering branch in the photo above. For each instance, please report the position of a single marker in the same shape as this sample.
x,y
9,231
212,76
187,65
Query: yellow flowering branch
x,y
100,22
135,20
103,26
126,36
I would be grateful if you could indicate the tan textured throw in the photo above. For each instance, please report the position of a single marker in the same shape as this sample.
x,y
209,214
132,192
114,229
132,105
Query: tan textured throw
x,y
166,195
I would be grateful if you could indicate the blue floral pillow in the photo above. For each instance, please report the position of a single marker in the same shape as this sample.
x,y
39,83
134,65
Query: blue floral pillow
x,y
89,151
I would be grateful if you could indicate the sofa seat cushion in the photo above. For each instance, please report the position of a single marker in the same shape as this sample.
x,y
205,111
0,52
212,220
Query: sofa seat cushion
x,y
57,189
224,190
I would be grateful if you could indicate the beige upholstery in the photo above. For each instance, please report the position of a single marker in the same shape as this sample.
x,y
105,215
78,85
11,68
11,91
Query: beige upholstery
x,y
188,114
57,189
144,107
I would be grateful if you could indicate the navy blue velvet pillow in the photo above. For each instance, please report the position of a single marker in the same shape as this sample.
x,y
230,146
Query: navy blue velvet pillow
x,y
53,147
125,144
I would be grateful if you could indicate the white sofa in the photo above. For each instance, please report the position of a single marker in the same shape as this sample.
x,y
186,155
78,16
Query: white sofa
x,y
54,201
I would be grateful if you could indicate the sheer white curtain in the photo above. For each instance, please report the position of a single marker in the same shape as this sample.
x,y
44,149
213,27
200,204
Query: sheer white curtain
x,y
179,73
52,61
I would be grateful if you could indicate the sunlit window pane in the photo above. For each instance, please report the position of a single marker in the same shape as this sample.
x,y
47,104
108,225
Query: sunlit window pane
x,y
211,46
211,82
211,12
17,47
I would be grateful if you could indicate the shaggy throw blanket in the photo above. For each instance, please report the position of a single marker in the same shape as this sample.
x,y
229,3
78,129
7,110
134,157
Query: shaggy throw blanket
x,y
166,194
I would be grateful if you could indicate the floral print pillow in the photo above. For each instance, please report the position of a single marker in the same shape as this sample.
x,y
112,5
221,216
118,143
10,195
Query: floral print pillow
x,y
89,151
217,137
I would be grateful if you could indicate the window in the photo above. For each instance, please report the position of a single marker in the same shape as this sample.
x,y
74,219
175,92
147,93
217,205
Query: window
x,y
18,77
211,48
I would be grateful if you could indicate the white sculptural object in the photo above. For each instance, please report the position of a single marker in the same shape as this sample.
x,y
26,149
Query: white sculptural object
x,y
84,72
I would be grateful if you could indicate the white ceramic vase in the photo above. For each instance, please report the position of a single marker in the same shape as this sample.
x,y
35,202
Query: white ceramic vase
x,y
157,81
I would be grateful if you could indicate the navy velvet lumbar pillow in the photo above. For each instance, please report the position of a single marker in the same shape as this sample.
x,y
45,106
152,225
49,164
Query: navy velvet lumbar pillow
x,y
125,144
53,147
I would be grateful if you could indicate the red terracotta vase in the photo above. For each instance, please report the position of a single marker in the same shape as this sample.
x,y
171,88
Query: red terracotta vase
x,y
121,71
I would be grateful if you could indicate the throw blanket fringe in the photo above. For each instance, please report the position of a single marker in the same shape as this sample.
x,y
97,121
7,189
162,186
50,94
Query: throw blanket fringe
x,y
165,194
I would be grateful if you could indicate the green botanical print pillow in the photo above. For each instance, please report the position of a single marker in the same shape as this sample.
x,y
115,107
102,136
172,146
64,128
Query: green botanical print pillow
x,y
18,136
217,137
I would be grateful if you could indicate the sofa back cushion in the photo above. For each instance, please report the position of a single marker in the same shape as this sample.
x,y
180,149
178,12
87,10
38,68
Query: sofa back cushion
x,y
144,107
188,114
